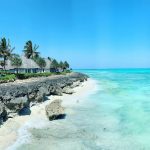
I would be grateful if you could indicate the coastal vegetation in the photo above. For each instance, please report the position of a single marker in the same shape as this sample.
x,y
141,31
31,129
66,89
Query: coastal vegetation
x,y
7,78
42,74
5,51
10,77
30,50
16,61
40,62
31,55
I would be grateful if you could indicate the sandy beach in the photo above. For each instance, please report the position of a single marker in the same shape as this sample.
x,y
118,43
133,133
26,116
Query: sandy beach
x,y
13,129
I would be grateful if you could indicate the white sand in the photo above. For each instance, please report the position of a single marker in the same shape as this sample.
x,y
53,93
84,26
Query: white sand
x,y
10,131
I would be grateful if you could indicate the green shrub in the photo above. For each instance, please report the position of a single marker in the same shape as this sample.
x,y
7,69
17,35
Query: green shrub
x,y
30,75
7,78
67,71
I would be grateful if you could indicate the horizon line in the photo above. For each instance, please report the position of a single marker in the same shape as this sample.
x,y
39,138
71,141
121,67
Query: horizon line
x,y
108,68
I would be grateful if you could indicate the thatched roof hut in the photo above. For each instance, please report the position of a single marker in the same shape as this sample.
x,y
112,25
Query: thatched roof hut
x,y
26,63
48,64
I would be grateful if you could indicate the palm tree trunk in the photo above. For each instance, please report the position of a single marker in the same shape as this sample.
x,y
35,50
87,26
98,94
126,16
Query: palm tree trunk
x,y
4,63
17,70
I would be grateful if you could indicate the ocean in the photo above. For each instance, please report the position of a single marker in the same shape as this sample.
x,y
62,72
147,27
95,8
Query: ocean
x,y
115,116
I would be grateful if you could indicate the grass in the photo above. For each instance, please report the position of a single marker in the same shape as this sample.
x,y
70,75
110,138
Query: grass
x,y
7,78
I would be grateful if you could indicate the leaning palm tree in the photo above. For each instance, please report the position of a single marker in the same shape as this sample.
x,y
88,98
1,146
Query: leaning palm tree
x,y
30,50
5,50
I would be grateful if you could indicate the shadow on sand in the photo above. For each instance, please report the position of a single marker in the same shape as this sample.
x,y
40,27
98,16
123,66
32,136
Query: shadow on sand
x,y
57,117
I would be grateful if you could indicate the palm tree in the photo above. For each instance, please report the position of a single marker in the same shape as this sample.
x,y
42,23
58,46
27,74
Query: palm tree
x,y
16,61
2,63
54,64
61,65
49,58
30,50
66,65
5,50
41,62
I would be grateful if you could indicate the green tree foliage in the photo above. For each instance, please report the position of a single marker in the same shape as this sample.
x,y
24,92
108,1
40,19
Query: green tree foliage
x,y
40,62
61,65
49,58
30,51
16,61
66,65
54,64
2,63
5,50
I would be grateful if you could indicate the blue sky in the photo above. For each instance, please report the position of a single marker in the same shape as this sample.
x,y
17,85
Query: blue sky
x,y
86,33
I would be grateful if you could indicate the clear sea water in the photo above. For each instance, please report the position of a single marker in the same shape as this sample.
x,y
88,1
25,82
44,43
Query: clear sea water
x,y
115,117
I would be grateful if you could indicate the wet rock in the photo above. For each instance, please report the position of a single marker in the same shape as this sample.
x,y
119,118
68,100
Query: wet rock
x,y
54,110
67,90
41,93
24,111
35,90
1,107
19,100
3,115
75,84
56,90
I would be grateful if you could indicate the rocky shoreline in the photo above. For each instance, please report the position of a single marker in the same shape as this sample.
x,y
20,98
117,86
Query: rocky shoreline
x,y
18,97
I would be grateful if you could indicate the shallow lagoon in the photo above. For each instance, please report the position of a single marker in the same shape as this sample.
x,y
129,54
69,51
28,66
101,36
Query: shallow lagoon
x,y
115,117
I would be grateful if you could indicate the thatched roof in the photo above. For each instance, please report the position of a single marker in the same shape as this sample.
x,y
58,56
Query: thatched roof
x,y
48,63
8,65
27,63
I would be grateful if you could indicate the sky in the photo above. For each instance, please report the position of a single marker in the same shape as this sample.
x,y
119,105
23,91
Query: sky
x,y
89,34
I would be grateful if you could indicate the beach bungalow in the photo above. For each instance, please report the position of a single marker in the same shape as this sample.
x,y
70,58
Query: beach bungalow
x,y
28,66
48,65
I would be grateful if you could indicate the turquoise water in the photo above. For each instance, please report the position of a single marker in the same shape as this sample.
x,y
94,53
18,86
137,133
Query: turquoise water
x,y
115,117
